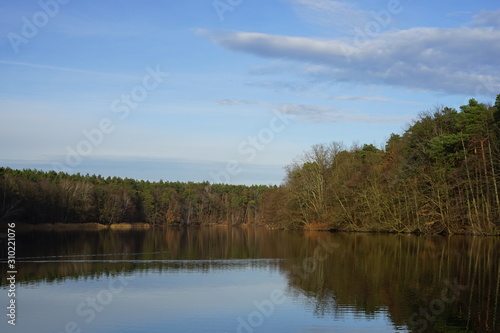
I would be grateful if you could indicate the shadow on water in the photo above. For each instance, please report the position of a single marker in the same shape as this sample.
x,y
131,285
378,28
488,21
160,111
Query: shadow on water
x,y
431,283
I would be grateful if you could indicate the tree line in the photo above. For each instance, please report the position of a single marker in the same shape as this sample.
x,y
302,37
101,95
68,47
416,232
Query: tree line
x,y
37,197
441,175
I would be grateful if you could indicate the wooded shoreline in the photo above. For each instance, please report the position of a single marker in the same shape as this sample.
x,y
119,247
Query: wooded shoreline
x,y
21,227
440,176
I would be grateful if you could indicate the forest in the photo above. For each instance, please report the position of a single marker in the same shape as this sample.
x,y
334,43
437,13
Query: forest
x,y
441,175
38,197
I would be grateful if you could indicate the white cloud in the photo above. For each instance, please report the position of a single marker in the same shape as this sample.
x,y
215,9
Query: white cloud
x,y
370,99
311,113
361,98
322,114
235,102
456,61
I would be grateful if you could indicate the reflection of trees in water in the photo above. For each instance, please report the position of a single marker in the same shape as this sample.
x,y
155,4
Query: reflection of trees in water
x,y
74,254
363,274
409,276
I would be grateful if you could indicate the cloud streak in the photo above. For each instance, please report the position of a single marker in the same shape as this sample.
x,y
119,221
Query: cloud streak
x,y
63,69
318,114
322,114
446,60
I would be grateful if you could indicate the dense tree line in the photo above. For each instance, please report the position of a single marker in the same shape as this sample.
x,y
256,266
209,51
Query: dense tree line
x,y
36,197
442,175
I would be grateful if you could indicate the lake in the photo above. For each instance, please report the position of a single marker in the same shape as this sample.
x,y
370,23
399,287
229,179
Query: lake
x,y
245,280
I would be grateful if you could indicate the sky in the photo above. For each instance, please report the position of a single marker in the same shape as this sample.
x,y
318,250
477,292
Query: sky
x,y
229,91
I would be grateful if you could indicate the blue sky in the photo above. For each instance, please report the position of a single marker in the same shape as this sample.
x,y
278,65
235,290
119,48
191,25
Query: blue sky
x,y
231,90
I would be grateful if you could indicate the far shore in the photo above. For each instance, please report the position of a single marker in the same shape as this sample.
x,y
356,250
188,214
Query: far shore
x,y
81,226
144,226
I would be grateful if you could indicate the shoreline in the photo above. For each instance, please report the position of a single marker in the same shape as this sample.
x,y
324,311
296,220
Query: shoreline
x,y
94,226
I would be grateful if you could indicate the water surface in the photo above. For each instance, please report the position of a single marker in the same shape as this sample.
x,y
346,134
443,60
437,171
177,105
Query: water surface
x,y
252,280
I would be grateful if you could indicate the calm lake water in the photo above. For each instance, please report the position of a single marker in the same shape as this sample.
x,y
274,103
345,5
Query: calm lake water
x,y
251,280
